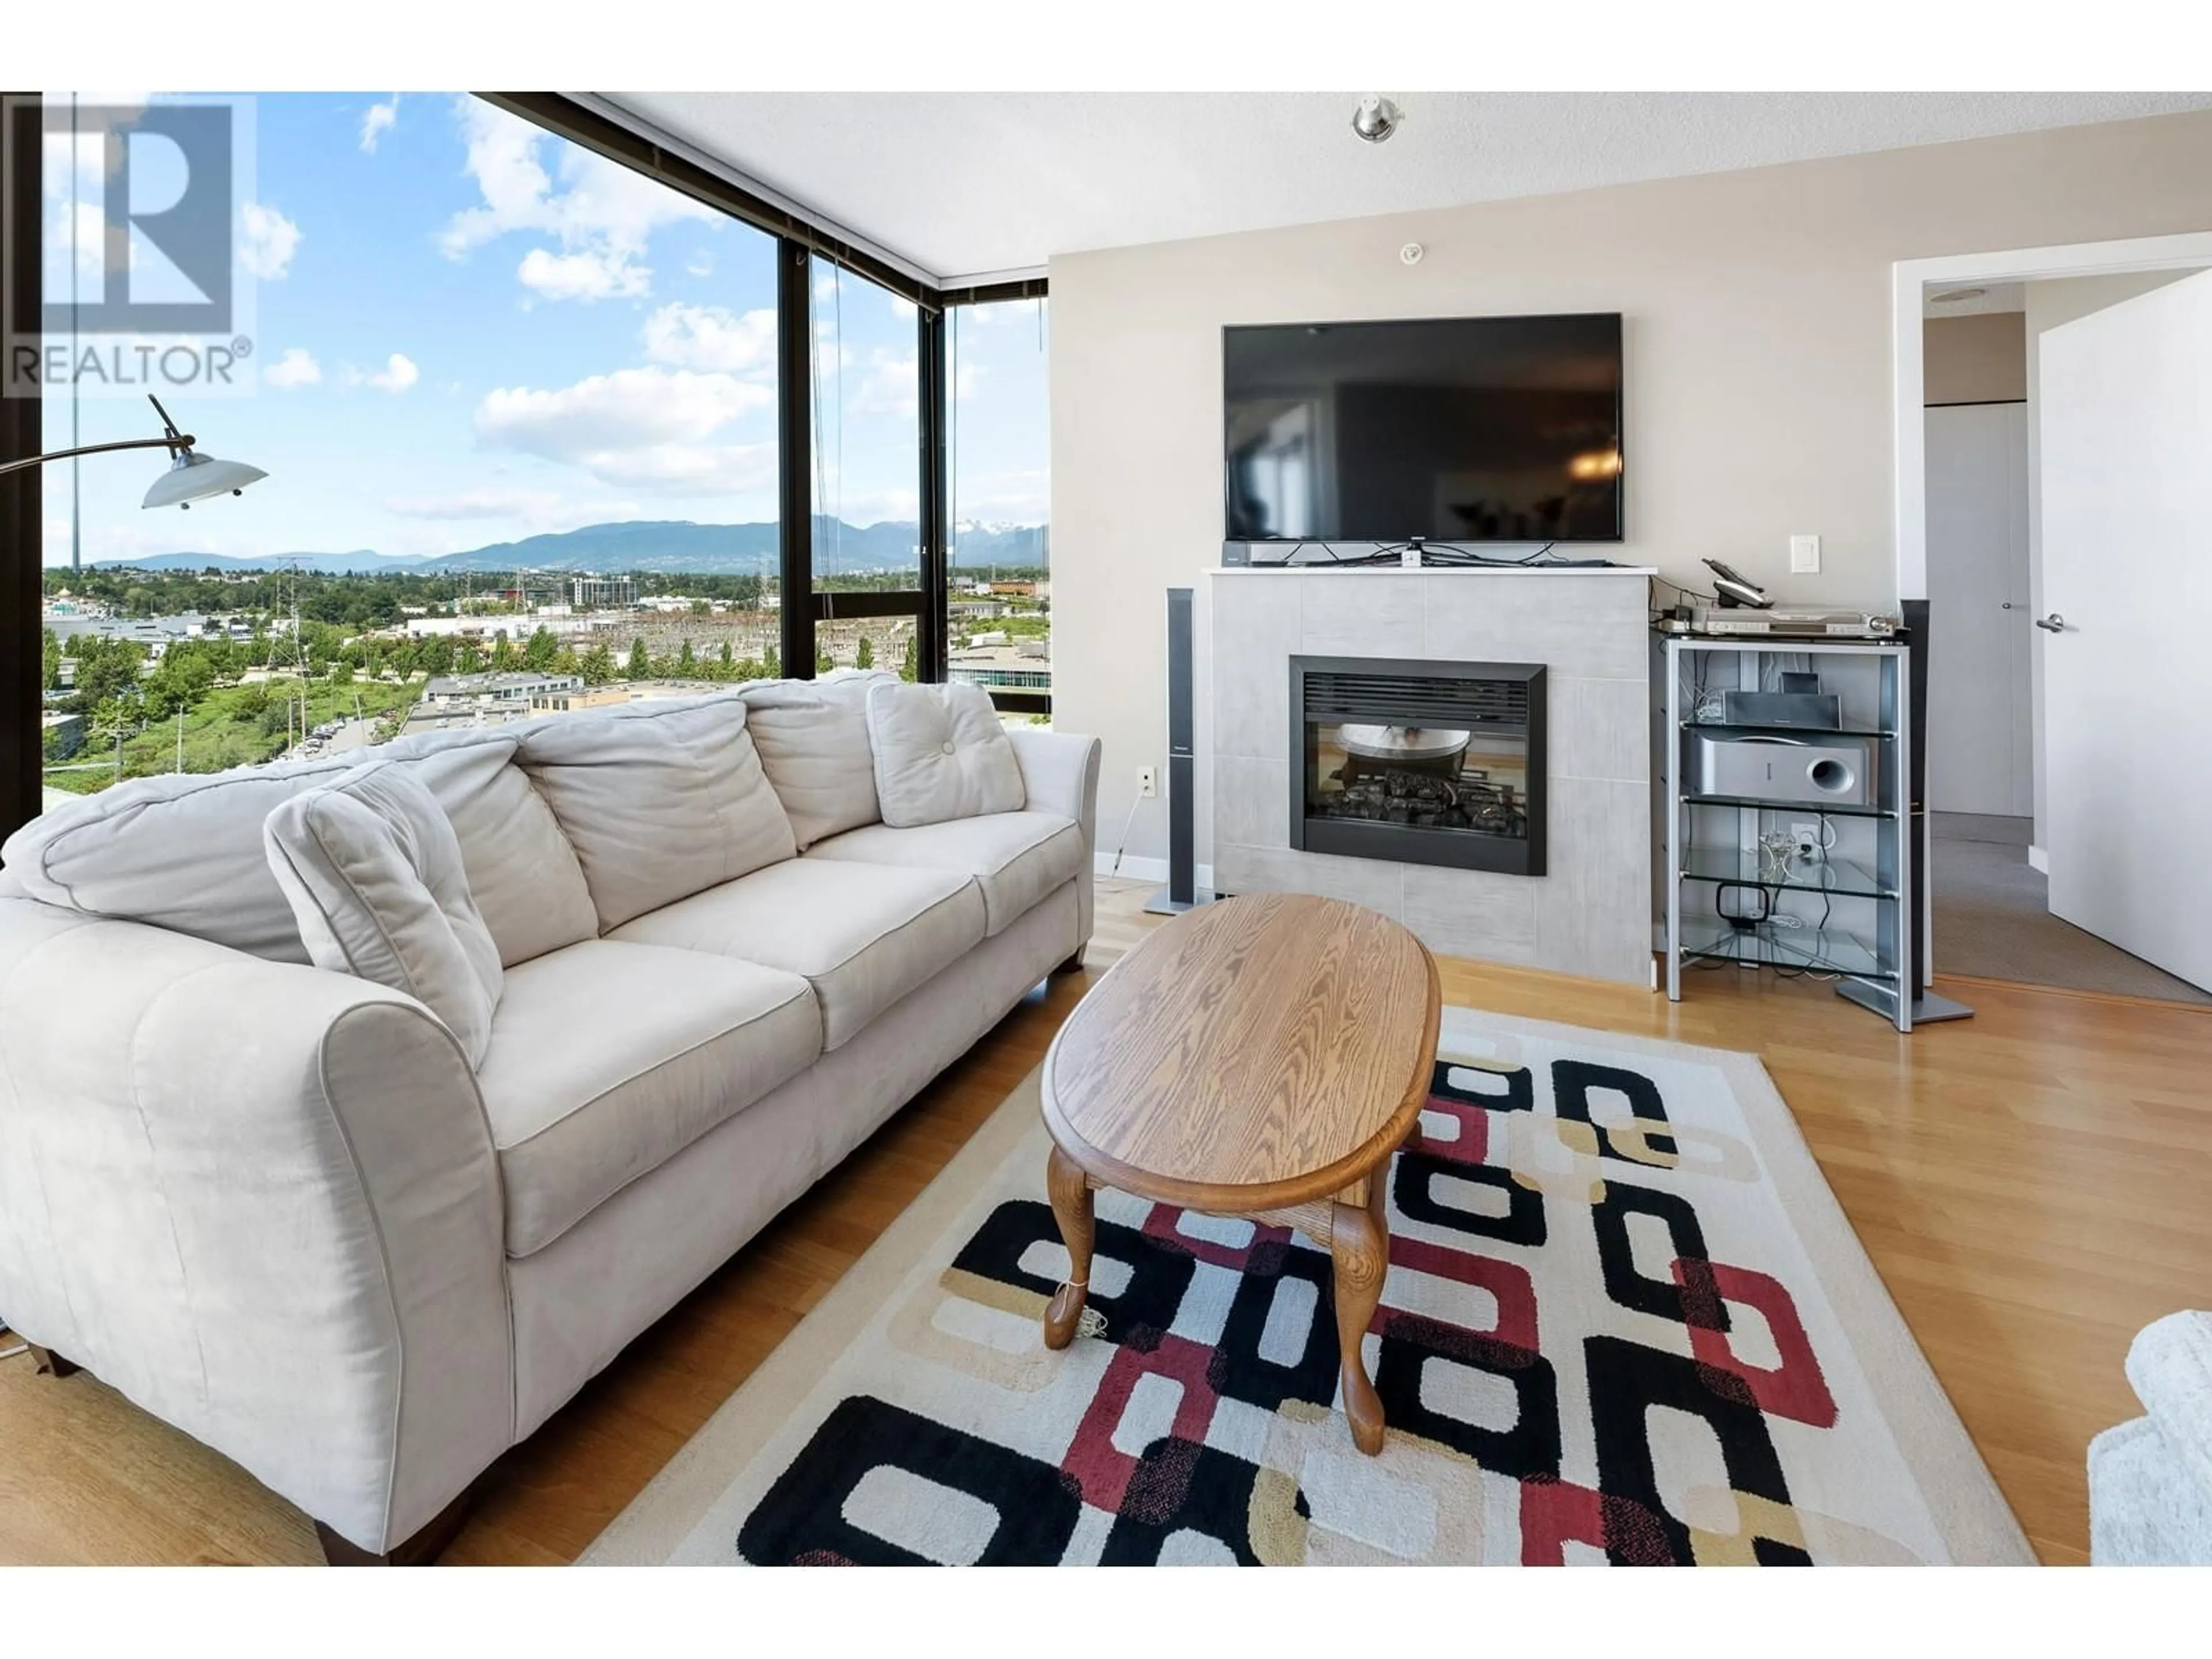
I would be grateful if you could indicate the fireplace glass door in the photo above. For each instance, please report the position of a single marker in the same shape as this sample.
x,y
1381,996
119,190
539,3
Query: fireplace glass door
x,y
1425,763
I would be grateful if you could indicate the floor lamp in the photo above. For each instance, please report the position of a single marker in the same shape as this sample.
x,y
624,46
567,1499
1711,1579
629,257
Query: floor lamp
x,y
192,476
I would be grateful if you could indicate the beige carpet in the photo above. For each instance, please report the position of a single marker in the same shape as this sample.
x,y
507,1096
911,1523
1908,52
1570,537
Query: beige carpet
x,y
1993,920
1626,1321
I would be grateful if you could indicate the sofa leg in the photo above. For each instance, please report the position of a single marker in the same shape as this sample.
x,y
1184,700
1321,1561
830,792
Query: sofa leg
x,y
51,1364
1073,964
422,1550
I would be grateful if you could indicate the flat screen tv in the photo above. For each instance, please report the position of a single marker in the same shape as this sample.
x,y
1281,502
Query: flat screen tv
x,y
1461,430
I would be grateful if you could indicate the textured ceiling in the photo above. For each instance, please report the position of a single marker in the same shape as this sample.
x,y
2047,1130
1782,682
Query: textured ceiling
x,y
969,184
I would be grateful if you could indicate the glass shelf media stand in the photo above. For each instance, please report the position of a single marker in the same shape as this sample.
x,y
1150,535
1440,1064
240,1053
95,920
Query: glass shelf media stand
x,y
1739,892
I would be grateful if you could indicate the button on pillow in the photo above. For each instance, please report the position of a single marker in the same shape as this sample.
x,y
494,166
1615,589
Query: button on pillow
x,y
940,754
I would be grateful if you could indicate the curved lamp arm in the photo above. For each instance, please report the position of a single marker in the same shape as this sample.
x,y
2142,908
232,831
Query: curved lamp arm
x,y
180,441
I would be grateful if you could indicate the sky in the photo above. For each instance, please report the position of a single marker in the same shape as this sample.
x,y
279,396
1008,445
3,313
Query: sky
x,y
468,330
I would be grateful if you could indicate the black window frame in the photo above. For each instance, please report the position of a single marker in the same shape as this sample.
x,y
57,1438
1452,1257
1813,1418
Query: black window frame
x,y
22,542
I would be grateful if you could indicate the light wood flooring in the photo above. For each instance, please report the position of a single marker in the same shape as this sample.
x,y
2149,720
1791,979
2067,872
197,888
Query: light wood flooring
x,y
2032,1184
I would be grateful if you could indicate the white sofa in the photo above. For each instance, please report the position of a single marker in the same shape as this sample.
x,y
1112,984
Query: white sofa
x,y
274,1205
2150,1480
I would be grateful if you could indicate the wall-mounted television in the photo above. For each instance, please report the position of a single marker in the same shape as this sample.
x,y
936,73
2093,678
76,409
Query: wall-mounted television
x,y
1457,429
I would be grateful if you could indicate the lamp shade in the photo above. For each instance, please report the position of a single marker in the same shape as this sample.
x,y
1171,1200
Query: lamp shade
x,y
193,477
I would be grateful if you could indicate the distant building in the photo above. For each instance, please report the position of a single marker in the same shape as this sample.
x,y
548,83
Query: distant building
x,y
1022,666
562,703
603,592
63,734
515,690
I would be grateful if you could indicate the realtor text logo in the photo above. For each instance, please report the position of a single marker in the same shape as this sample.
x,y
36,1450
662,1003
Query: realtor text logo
x,y
141,285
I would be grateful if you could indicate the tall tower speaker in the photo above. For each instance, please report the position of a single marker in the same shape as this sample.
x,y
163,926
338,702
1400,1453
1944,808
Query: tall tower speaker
x,y
1182,893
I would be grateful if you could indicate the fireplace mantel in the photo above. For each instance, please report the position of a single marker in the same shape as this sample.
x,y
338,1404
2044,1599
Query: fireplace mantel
x,y
1590,912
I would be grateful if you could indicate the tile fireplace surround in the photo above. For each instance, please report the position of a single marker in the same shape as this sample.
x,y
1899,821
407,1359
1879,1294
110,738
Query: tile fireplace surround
x,y
1590,913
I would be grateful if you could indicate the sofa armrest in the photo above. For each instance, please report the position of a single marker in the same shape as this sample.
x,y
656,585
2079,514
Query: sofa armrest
x,y
1060,773
262,1201
2170,1366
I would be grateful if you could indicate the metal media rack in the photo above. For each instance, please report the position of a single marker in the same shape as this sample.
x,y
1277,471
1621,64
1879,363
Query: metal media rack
x,y
1844,914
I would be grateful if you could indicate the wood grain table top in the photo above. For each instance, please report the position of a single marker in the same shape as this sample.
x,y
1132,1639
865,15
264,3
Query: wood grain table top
x,y
1254,1053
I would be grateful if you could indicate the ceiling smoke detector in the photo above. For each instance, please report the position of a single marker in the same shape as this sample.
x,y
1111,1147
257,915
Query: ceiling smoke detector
x,y
1376,118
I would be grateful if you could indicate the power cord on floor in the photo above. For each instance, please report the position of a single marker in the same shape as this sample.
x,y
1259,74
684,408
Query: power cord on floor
x,y
1124,840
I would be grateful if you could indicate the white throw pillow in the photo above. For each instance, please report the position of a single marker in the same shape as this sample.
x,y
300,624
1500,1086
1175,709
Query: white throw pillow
x,y
373,871
812,736
940,753
660,799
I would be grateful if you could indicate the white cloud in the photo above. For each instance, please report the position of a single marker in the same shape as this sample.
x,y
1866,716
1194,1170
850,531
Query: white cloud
x,y
537,509
268,242
901,307
711,337
398,373
594,207
647,428
700,265
891,386
297,366
376,120
596,273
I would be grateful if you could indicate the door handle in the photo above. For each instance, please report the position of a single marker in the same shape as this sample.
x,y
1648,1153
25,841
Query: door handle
x,y
2053,624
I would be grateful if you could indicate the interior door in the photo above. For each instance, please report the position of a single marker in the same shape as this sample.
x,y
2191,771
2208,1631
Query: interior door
x,y
2126,414
1980,754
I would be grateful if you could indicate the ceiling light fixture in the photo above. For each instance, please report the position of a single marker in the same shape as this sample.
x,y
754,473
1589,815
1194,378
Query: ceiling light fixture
x,y
1377,118
1958,295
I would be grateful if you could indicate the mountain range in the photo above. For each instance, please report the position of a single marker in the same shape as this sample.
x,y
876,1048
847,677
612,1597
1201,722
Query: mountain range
x,y
647,546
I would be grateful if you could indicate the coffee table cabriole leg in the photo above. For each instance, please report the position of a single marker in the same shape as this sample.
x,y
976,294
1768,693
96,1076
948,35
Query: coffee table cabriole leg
x,y
1070,1191
1359,1247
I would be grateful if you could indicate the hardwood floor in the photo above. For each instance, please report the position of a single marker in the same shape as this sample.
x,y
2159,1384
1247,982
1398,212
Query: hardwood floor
x,y
2031,1184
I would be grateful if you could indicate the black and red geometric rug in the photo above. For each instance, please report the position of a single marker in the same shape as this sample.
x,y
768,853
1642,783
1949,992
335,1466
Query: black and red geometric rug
x,y
1625,1322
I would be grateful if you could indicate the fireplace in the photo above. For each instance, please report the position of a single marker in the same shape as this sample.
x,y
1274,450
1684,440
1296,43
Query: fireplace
x,y
1425,763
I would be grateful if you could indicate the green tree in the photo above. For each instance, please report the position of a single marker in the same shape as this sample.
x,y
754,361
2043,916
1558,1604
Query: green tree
x,y
686,662
864,655
726,653
640,666
50,660
910,669
598,665
538,655
772,665
467,658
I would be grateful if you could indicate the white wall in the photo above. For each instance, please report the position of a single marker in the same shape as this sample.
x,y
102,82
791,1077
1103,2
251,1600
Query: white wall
x,y
1757,309
2048,305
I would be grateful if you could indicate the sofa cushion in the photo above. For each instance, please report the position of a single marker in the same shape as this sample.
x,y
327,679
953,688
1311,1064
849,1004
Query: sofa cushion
x,y
1016,858
812,736
182,851
660,799
376,880
608,1058
522,872
940,753
863,934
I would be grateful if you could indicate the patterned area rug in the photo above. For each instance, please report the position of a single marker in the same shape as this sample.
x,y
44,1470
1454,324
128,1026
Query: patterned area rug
x,y
1625,1322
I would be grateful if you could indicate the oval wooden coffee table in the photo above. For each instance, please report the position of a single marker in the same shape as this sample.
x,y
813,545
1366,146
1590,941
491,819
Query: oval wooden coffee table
x,y
1262,1058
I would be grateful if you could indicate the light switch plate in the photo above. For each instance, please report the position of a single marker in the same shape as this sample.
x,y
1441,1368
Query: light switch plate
x,y
1804,555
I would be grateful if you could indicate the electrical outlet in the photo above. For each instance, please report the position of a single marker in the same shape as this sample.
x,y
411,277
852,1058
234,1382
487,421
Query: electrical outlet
x,y
1808,837
1148,782
1804,555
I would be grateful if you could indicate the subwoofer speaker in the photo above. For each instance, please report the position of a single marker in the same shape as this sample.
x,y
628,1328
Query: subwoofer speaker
x,y
1182,893
1832,770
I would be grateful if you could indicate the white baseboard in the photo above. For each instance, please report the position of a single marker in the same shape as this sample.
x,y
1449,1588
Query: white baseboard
x,y
1134,868
2038,860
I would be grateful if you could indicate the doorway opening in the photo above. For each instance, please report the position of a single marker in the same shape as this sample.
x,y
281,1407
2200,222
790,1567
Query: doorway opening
x,y
2006,792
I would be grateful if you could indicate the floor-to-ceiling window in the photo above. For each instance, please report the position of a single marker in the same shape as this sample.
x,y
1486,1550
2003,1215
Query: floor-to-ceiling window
x,y
517,406
998,584
865,401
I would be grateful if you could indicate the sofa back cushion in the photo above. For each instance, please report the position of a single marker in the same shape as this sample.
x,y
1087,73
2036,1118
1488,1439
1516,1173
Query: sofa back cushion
x,y
812,736
940,753
523,873
184,851
372,872
660,799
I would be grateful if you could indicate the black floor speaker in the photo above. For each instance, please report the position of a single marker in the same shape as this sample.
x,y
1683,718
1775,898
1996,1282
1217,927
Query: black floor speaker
x,y
1182,893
